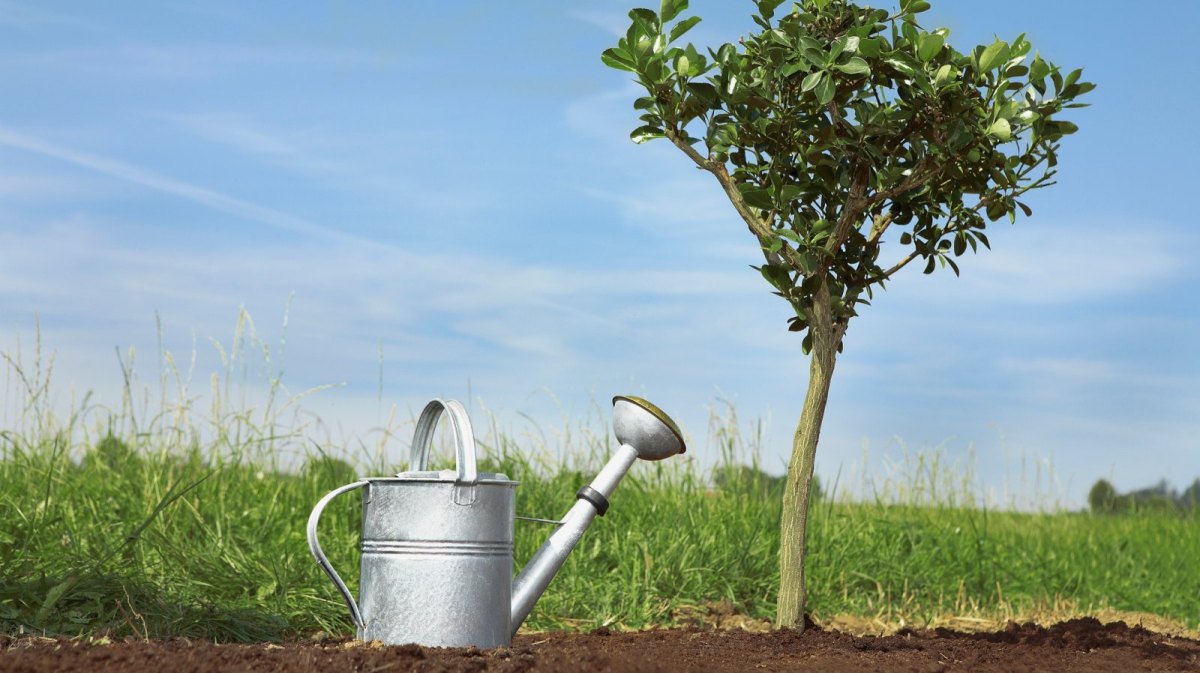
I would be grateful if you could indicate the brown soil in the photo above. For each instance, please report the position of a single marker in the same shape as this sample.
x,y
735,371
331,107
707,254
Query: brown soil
x,y
1077,645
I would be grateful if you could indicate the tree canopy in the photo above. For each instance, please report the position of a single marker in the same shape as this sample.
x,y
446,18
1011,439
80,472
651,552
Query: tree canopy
x,y
836,123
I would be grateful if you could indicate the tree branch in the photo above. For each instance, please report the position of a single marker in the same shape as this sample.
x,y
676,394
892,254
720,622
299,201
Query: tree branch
x,y
687,149
915,180
761,229
856,204
899,265
880,225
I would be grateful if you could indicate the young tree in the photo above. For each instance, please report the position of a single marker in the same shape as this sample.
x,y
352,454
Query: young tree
x,y
837,131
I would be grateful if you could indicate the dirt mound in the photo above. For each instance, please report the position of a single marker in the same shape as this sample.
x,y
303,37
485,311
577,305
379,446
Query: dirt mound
x,y
1077,645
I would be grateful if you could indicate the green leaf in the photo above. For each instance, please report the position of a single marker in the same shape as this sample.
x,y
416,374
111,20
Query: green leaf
x,y
1038,69
645,133
683,26
815,57
835,50
1066,128
870,46
788,193
1027,116
996,210
994,55
905,238
901,65
855,66
647,20
931,44
793,68
812,81
960,245
777,276
671,9
1001,129
944,74
1079,89
808,262
704,91
54,595
825,90
613,59
1072,77
682,65
767,7
758,198
914,6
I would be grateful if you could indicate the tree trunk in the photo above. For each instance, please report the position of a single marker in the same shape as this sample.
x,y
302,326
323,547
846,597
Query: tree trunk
x,y
794,524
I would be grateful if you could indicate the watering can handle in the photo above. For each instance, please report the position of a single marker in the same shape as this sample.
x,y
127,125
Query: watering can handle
x,y
464,439
318,554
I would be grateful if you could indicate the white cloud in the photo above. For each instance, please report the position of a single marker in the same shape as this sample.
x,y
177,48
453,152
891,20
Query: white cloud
x,y
245,137
30,185
26,16
151,180
183,61
612,22
1061,262
1075,371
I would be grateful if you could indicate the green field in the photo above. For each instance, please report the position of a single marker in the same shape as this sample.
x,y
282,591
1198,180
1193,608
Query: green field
x,y
156,519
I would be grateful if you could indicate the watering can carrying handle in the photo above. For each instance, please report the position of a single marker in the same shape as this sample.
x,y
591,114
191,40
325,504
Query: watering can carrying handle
x,y
464,445
317,553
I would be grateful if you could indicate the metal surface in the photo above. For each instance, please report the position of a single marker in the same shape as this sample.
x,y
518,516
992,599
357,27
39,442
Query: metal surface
x,y
537,573
436,565
639,423
434,572
315,547
645,432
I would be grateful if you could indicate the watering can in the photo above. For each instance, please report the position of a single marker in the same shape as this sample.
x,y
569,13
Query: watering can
x,y
436,546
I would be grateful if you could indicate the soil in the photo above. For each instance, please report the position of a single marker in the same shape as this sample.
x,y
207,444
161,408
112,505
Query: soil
x,y
1077,645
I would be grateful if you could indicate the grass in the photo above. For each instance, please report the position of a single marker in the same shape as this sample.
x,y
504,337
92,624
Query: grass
x,y
153,519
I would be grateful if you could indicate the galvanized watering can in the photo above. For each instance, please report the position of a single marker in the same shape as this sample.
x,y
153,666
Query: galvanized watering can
x,y
437,547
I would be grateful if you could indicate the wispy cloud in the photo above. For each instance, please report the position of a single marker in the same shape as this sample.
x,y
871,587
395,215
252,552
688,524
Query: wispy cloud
x,y
245,137
612,22
147,60
26,16
441,318
36,186
1045,263
150,180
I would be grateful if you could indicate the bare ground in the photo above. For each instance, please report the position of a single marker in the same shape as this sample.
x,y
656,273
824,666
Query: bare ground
x,y
1076,645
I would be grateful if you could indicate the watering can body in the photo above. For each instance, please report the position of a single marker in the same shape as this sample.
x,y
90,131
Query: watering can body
x,y
437,546
436,572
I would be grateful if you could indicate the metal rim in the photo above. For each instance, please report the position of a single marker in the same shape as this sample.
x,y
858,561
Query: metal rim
x,y
659,414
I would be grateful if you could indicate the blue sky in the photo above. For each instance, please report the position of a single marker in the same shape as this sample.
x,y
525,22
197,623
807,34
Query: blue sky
x,y
452,184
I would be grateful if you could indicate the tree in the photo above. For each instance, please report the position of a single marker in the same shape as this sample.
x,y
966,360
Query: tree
x,y
837,131
1102,499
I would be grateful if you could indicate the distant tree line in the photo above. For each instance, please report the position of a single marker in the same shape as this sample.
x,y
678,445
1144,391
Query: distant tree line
x,y
746,479
1104,499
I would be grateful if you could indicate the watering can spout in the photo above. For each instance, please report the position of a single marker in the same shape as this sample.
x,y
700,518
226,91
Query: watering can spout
x,y
643,431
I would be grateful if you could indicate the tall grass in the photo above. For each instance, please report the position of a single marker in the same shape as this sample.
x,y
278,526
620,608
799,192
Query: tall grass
x,y
157,518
